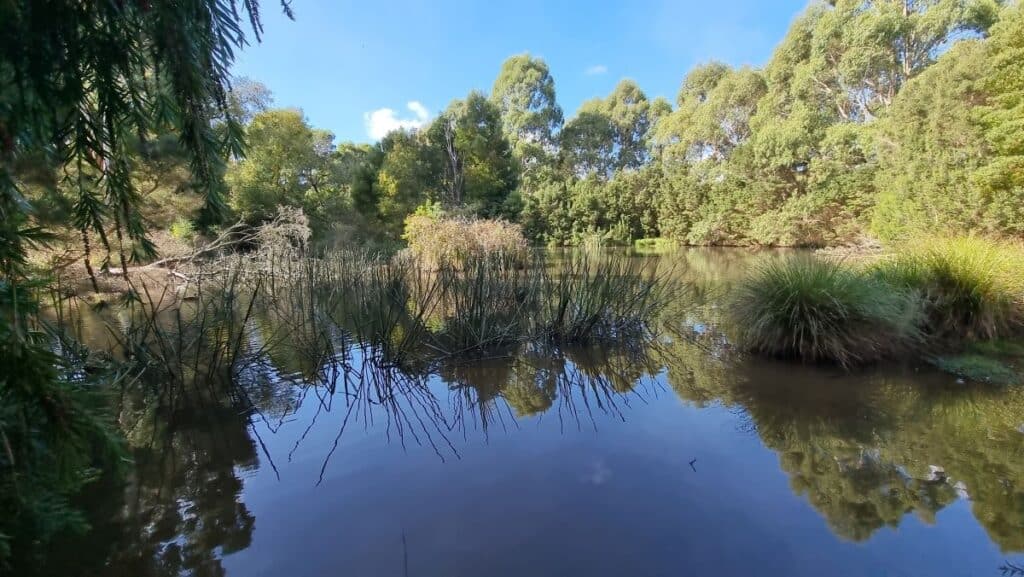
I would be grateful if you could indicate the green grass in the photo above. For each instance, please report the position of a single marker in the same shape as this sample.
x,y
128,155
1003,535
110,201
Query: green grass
x,y
822,311
978,368
654,245
408,308
971,287
997,362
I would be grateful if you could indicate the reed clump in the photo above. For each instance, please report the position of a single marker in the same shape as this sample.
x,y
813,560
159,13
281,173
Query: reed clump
x,y
972,288
439,240
407,307
822,310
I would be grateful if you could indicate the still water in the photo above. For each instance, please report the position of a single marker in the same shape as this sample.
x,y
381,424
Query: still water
x,y
690,460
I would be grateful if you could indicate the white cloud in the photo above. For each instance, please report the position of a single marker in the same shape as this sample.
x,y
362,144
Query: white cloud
x,y
384,120
595,70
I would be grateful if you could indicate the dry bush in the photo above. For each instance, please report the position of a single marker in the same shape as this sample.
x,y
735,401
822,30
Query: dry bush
x,y
446,241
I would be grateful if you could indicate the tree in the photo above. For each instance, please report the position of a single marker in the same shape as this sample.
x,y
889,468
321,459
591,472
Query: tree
x,y
588,142
613,133
288,163
409,174
481,170
357,168
524,93
247,98
1002,123
632,115
929,149
716,104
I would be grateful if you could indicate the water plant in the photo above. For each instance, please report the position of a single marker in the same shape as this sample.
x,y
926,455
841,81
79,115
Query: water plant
x,y
822,310
488,304
973,288
441,240
594,297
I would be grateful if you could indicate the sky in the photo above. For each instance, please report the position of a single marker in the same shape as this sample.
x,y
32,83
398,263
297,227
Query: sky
x,y
360,68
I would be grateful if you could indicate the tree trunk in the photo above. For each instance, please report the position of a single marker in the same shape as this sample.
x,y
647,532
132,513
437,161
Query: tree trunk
x,y
120,248
87,259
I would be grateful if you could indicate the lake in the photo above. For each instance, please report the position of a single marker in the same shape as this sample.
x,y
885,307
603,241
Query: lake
x,y
689,459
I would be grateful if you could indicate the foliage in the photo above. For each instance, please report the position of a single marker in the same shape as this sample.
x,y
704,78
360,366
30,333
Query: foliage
x,y
978,368
654,245
876,119
820,310
410,172
53,436
872,120
83,85
442,241
480,172
972,288
1002,120
183,229
287,163
930,149
524,93
611,134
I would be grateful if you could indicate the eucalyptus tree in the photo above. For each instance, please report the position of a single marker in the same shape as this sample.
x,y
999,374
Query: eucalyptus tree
x,y
715,105
524,93
587,144
247,98
480,171
633,116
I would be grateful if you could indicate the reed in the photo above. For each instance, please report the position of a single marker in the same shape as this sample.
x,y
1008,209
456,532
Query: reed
x,y
972,288
820,310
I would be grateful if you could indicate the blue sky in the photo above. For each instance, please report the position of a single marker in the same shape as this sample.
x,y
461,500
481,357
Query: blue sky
x,y
347,62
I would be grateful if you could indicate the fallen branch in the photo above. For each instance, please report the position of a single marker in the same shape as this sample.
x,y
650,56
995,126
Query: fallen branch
x,y
234,235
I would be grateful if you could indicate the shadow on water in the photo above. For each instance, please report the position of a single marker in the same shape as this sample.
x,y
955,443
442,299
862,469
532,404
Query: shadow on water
x,y
866,451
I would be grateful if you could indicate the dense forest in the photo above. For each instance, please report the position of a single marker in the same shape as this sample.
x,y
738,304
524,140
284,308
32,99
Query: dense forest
x,y
872,121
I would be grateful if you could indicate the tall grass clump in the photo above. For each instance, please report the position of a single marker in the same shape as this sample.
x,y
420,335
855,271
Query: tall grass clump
x,y
440,240
822,311
591,298
487,305
972,288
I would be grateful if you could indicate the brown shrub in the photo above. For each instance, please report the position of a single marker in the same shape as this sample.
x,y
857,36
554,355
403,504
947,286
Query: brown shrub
x,y
452,241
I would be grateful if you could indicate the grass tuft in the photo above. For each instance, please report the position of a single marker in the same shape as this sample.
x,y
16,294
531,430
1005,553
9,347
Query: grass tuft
x,y
822,311
972,288
978,368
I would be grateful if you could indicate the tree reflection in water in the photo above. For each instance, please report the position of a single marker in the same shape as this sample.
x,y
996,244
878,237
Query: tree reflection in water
x,y
865,451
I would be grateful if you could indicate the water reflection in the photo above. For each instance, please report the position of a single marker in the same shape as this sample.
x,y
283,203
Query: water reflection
x,y
866,451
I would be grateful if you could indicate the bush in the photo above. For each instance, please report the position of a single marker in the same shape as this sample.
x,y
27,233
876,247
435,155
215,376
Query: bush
x,y
971,287
654,245
440,240
819,310
183,229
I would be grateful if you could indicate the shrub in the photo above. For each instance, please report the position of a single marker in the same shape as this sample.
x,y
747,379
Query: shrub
x,y
820,310
183,229
971,287
654,245
440,240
